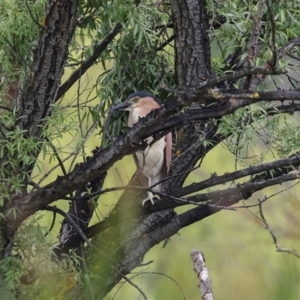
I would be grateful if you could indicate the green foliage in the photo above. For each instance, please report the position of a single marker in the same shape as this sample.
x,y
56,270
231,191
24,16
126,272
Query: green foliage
x,y
15,151
33,251
253,136
240,17
130,62
18,34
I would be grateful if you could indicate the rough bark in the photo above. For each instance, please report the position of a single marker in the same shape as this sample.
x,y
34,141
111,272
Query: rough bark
x,y
202,273
81,211
28,203
49,62
192,45
127,234
35,97
192,68
126,245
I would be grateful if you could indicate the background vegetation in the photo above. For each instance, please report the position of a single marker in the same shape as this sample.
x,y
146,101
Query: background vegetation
x,y
65,64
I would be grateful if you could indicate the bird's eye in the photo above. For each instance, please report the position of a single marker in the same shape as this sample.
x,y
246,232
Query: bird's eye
x,y
135,99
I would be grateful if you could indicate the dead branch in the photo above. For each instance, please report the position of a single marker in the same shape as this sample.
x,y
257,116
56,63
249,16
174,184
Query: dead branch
x,y
202,273
272,234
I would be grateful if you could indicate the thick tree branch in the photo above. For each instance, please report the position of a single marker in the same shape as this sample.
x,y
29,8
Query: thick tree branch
x,y
287,164
240,74
204,211
158,228
224,94
128,143
253,41
282,51
217,199
273,60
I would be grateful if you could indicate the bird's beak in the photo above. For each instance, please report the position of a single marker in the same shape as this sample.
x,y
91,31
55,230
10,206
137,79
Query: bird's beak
x,y
121,106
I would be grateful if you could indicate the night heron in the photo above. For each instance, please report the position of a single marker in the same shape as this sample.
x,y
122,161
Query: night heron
x,y
155,160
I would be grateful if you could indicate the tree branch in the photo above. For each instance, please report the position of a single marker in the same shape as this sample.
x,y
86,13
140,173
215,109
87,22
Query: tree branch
x,y
130,142
89,62
240,74
224,94
216,201
165,43
72,222
253,42
202,274
287,164
273,236
273,60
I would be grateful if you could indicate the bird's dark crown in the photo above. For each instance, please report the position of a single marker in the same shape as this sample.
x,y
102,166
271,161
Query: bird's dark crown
x,y
142,94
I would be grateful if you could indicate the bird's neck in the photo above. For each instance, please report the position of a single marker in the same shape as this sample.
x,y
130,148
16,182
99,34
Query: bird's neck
x,y
135,114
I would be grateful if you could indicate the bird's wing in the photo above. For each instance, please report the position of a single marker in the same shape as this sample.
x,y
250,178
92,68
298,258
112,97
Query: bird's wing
x,y
142,178
168,153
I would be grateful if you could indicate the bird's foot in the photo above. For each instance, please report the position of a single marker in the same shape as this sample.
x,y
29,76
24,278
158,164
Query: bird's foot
x,y
150,198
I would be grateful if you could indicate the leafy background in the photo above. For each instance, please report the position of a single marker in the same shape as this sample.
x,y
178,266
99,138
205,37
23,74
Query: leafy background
x,y
239,252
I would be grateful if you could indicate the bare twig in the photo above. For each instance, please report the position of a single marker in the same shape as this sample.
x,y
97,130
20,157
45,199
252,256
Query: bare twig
x,y
32,183
52,223
55,167
74,225
202,273
89,62
79,113
274,238
165,43
164,275
34,19
134,285
273,36
6,108
187,201
253,42
56,154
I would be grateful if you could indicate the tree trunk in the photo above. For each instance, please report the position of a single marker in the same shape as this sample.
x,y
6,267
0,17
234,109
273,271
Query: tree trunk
x,y
192,45
192,67
121,248
39,92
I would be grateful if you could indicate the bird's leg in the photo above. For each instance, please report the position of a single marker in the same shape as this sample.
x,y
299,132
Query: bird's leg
x,y
150,194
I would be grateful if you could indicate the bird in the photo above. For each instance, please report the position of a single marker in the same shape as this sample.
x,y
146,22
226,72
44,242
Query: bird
x,y
155,160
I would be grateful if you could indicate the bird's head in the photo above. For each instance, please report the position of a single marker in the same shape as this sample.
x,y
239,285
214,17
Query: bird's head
x,y
143,101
